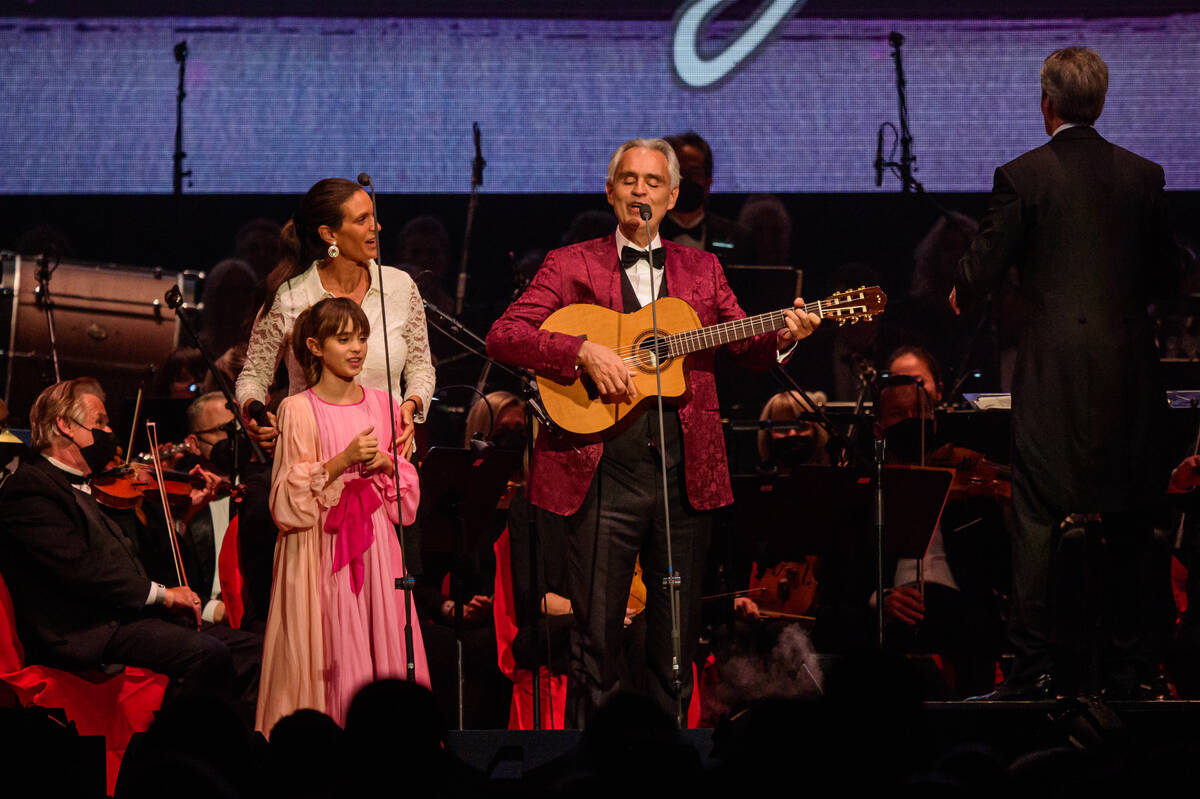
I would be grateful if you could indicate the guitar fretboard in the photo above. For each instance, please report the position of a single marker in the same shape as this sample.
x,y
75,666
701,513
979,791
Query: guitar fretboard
x,y
704,338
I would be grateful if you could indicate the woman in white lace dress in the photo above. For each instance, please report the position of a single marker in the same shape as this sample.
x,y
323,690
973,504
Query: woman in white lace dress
x,y
329,250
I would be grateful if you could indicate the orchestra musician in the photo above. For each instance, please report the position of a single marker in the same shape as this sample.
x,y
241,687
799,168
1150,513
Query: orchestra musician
x,y
82,597
1086,223
609,492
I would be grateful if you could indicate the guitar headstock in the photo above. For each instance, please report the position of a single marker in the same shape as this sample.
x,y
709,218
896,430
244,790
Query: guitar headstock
x,y
854,305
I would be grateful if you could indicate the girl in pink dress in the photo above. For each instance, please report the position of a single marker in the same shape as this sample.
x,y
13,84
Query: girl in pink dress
x,y
336,620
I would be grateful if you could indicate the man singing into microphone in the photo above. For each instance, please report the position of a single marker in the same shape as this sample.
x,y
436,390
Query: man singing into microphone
x,y
610,492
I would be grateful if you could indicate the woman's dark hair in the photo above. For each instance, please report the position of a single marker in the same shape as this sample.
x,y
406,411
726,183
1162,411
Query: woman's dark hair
x,y
924,356
327,318
300,243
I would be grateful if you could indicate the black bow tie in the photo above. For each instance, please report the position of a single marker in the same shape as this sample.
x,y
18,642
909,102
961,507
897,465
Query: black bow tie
x,y
631,255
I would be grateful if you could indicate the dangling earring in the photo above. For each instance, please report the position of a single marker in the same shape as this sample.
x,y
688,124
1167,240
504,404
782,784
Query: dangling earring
x,y
333,251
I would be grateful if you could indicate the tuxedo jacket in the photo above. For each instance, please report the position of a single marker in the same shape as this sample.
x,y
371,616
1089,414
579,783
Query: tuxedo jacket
x,y
74,576
1087,225
729,241
590,272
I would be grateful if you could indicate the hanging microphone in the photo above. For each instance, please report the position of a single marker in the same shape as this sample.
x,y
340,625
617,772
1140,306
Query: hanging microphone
x,y
878,159
364,179
644,210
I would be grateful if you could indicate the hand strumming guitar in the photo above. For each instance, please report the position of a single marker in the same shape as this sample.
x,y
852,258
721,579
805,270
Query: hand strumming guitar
x,y
612,376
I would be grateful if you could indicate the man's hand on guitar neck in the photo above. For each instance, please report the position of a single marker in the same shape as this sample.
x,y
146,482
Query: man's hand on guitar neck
x,y
611,375
799,325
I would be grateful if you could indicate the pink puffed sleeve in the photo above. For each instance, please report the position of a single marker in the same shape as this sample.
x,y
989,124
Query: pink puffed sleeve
x,y
405,511
300,486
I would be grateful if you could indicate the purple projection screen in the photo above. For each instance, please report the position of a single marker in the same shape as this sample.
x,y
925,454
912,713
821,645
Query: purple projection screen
x,y
793,106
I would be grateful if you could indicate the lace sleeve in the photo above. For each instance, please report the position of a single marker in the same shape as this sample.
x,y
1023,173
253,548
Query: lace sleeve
x,y
263,354
419,377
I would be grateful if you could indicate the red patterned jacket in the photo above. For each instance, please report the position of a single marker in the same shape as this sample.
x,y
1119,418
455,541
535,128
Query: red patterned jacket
x,y
590,273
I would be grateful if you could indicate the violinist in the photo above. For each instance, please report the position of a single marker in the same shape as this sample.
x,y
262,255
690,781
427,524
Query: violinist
x,y
82,598
205,521
944,603
795,442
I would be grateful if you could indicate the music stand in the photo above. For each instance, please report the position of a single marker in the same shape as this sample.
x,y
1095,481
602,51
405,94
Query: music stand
x,y
834,507
459,491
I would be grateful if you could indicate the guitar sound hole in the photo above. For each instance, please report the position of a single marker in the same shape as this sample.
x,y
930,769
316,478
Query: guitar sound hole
x,y
648,348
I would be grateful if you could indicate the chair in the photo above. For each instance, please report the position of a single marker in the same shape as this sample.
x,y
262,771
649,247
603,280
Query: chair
x,y
98,704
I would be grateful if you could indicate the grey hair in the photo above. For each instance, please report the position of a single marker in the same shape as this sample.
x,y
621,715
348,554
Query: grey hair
x,y
661,145
196,408
60,401
1076,81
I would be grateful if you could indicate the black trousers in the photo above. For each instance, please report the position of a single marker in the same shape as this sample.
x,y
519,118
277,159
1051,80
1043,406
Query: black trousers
x,y
621,518
1084,605
216,662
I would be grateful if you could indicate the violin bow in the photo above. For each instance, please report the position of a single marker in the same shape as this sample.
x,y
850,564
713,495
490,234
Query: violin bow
x,y
152,437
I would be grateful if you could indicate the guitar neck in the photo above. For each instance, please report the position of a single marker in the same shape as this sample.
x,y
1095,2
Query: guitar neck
x,y
704,338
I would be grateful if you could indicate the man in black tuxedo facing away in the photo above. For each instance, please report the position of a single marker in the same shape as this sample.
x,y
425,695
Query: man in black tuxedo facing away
x,y
1087,225
81,596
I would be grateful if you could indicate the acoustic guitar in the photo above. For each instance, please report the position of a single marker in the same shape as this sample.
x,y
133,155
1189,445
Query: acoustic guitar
x,y
577,407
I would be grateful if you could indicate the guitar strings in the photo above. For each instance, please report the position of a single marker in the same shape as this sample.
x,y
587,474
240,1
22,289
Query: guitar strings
x,y
633,354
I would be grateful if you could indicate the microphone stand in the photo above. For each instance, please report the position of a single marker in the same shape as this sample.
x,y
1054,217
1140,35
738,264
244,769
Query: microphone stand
x,y
477,165
533,410
523,376
181,54
789,383
405,582
672,581
44,273
174,300
904,170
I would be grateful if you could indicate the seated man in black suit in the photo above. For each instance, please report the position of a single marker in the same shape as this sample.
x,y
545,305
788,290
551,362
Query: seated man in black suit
x,y
81,596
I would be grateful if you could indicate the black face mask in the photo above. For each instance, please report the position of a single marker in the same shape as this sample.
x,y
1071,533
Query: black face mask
x,y
904,440
792,451
691,196
221,457
99,454
513,439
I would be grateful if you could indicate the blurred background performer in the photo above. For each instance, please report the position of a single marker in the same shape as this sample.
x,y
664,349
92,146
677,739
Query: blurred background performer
x,y
609,491
1087,225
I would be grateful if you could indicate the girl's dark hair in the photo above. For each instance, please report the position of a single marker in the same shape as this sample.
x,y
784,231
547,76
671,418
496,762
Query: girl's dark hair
x,y
327,318
299,242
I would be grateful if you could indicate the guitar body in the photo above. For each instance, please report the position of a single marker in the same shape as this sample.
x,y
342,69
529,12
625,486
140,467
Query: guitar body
x,y
576,406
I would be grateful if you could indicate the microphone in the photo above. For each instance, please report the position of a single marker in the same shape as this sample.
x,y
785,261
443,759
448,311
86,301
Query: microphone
x,y
878,159
365,180
258,412
866,370
644,210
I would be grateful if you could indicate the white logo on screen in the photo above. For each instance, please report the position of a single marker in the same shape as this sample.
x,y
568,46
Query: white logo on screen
x,y
699,72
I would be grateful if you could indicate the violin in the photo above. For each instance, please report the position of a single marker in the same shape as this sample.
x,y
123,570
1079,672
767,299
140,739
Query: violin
x,y
637,591
789,590
974,475
125,487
